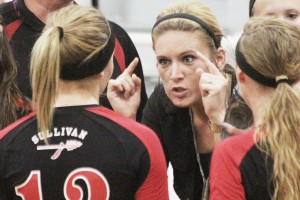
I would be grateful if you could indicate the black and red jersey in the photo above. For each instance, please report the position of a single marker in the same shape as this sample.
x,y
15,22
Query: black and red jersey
x,y
93,153
240,170
23,28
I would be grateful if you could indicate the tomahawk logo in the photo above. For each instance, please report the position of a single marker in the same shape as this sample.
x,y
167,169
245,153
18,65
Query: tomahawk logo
x,y
69,146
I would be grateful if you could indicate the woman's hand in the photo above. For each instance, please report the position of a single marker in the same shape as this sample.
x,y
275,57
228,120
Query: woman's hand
x,y
232,130
124,93
214,90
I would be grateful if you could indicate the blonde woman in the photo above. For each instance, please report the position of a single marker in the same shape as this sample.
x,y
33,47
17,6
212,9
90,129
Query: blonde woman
x,y
182,110
73,148
264,162
24,21
187,43
288,10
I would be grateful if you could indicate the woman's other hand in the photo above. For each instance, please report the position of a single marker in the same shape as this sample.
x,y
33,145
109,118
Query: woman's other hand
x,y
124,93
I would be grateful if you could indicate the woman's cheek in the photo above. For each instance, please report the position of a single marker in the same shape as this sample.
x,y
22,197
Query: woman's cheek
x,y
163,74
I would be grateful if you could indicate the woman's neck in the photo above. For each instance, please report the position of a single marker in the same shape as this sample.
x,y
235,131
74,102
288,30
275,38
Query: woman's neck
x,y
74,100
75,97
42,8
257,101
204,138
198,111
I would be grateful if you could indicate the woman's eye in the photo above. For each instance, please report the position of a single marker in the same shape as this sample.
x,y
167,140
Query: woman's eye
x,y
163,62
292,16
188,59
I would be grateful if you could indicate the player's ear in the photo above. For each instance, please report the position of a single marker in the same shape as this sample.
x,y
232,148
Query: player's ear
x,y
220,58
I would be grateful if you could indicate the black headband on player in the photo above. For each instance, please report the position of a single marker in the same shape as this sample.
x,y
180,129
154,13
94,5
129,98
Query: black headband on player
x,y
255,75
192,18
92,66
250,71
251,4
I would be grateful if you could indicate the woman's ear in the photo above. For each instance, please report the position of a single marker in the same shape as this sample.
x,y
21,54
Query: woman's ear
x,y
100,75
240,75
220,58
108,70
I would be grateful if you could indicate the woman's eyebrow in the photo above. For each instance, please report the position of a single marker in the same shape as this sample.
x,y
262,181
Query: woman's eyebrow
x,y
188,51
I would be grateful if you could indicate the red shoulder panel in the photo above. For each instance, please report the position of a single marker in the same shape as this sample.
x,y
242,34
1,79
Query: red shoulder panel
x,y
119,55
12,27
6,130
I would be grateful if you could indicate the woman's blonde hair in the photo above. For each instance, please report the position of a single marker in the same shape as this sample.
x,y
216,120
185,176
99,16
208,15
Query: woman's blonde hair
x,y
72,35
192,8
271,47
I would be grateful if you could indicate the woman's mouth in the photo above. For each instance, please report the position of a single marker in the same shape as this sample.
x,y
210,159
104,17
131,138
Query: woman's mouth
x,y
179,92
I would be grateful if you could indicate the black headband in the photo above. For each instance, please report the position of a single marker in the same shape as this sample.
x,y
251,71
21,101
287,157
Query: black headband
x,y
192,18
251,4
92,66
250,71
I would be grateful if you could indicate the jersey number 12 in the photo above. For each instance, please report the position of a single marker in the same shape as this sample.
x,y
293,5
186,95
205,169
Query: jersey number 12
x,y
97,184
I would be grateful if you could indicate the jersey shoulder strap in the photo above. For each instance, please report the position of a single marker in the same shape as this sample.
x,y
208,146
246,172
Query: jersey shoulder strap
x,y
10,17
119,55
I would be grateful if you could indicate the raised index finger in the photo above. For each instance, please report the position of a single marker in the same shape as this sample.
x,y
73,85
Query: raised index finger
x,y
130,69
210,66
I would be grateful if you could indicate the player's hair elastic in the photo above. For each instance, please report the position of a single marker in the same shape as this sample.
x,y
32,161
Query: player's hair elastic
x,y
281,79
192,18
250,71
61,32
92,66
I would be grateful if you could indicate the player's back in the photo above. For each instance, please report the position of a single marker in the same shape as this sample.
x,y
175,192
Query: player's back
x,y
92,152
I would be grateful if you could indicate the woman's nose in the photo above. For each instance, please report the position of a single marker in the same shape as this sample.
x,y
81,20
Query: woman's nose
x,y
176,72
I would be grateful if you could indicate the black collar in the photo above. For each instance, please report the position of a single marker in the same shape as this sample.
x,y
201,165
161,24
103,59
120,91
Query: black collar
x,y
27,16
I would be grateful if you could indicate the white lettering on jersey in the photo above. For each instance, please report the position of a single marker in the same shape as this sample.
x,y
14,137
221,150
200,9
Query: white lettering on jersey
x,y
64,131
74,141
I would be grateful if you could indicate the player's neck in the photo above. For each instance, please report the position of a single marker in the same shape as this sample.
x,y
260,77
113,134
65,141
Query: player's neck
x,y
41,8
75,100
71,93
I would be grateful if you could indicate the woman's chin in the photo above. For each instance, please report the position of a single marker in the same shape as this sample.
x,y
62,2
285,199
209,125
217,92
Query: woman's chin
x,y
180,103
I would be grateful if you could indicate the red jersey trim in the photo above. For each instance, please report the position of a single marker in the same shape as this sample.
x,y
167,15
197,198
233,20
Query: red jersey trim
x,y
12,27
21,104
119,55
155,185
10,127
225,175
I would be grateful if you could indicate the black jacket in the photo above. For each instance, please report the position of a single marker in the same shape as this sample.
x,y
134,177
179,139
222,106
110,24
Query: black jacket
x,y
173,127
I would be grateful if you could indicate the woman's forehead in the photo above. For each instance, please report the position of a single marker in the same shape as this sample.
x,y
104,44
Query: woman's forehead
x,y
264,7
179,41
